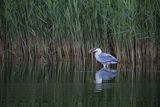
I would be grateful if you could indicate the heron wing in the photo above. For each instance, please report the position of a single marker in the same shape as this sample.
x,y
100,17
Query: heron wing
x,y
104,57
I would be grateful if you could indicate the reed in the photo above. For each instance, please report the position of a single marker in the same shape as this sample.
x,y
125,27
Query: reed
x,y
49,30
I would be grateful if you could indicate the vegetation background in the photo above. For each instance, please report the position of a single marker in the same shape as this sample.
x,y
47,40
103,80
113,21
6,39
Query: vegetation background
x,y
49,30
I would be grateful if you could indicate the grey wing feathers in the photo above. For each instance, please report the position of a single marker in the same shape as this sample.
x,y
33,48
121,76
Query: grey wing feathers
x,y
103,57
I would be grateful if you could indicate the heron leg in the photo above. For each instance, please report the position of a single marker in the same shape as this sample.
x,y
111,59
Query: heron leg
x,y
107,66
104,66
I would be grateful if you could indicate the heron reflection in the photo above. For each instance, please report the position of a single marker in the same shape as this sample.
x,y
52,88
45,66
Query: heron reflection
x,y
105,74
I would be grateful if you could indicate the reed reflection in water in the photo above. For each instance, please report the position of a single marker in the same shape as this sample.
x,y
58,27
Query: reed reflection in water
x,y
71,84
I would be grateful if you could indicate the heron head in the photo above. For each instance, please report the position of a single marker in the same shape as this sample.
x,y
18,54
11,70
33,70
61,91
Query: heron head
x,y
95,50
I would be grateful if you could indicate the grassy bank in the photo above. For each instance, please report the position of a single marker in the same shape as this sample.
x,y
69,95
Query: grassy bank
x,y
47,30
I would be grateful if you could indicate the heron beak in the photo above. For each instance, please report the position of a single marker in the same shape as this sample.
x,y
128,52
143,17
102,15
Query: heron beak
x,y
92,50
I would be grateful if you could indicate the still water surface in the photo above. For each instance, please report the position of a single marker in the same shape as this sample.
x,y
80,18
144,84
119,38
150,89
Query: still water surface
x,y
70,85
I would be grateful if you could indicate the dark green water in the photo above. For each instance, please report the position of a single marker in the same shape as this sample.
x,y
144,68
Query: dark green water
x,y
73,85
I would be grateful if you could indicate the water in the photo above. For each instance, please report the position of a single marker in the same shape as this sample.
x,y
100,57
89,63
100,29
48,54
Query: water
x,y
73,85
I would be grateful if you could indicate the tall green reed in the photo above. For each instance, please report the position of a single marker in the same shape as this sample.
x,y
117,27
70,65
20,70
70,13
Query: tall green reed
x,y
69,28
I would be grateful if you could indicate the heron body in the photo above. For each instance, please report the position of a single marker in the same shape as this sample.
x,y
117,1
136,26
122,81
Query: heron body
x,y
104,58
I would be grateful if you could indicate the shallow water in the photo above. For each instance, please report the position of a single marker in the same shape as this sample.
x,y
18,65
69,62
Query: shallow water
x,y
73,85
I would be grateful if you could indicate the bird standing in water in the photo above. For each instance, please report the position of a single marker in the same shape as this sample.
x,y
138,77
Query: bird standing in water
x,y
104,58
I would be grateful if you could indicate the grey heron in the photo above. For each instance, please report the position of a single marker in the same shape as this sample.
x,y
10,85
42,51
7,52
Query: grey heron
x,y
104,58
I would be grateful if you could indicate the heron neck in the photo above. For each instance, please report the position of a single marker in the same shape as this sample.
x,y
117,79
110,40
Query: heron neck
x,y
99,52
